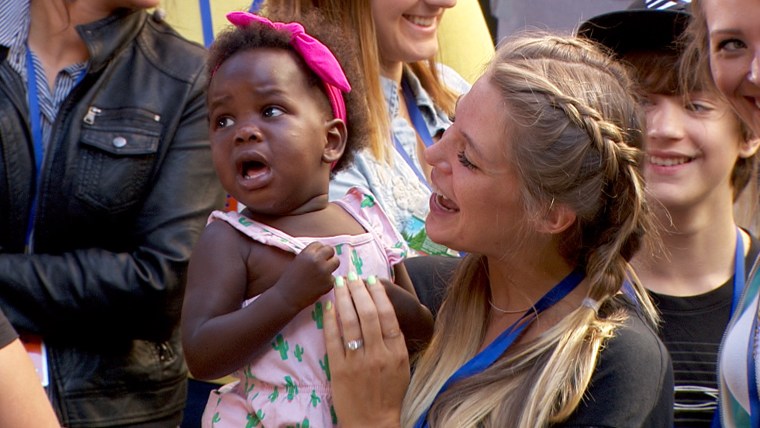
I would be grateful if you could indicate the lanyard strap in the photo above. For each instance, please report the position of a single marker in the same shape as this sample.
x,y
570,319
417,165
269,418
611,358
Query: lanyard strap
x,y
415,114
418,122
35,122
496,349
739,278
410,162
34,111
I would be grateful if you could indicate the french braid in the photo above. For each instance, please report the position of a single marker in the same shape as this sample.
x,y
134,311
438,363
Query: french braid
x,y
576,142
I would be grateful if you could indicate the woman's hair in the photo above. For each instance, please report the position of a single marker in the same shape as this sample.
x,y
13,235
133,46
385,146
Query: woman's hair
x,y
234,40
356,17
657,72
577,143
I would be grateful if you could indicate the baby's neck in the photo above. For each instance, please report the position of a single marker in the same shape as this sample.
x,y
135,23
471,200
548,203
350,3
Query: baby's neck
x,y
317,218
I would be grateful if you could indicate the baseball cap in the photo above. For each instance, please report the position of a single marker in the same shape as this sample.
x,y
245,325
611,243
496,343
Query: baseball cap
x,y
644,25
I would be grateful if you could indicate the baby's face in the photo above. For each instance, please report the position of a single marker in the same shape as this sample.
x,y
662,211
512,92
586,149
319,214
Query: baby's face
x,y
268,129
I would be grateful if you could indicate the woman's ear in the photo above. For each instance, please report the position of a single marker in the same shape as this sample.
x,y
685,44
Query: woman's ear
x,y
557,219
335,141
749,147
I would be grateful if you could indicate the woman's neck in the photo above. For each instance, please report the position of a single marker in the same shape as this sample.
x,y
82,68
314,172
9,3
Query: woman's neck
x,y
53,36
698,251
392,70
521,281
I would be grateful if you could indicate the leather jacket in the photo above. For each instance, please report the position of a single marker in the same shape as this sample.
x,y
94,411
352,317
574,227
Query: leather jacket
x,y
126,185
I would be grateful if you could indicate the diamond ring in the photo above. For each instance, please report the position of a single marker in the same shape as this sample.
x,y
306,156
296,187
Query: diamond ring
x,y
353,345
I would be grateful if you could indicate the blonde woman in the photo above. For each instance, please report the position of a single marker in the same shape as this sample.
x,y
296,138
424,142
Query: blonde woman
x,y
538,180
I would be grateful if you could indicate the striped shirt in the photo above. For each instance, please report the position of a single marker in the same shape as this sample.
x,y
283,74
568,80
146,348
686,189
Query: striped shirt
x,y
14,32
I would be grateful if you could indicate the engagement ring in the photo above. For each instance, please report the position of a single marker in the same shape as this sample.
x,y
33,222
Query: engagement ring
x,y
353,345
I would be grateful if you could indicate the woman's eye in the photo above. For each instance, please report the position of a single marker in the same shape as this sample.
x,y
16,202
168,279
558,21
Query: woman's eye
x,y
464,161
272,111
731,45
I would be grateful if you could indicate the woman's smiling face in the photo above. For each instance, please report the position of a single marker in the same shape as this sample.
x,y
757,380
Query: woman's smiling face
x,y
734,43
476,205
407,30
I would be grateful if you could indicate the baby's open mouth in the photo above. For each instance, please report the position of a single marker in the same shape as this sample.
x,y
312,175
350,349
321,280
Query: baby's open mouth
x,y
253,168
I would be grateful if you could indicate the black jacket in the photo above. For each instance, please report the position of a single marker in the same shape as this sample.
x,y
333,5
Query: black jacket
x,y
115,222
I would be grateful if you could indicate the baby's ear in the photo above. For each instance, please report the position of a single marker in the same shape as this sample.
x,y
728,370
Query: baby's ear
x,y
335,141
749,147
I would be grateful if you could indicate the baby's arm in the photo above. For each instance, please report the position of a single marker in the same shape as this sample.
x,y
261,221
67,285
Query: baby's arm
x,y
415,319
219,336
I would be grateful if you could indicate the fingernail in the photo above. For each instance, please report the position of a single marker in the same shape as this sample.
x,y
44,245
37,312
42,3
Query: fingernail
x,y
372,280
339,281
352,276
328,306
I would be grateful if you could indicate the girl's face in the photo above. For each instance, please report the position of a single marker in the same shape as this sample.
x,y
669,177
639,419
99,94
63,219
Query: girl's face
x,y
692,147
734,38
476,204
269,131
407,29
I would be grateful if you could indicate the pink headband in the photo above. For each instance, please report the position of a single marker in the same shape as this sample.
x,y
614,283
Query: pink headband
x,y
316,55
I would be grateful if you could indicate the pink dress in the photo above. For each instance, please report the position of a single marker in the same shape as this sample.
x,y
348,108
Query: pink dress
x,y
289,385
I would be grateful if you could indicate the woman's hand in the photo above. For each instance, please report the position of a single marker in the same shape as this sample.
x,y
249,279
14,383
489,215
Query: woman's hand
x,y
369,364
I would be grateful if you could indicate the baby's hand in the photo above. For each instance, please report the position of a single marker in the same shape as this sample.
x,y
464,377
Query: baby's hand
x,y
309,275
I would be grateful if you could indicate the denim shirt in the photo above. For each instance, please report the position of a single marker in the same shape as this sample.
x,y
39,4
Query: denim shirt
x,y
399,191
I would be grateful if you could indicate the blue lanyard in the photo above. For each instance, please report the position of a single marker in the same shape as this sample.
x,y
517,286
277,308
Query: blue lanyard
x,y
496,349
34,111
36,125
739,277
738,287
35,121
419,125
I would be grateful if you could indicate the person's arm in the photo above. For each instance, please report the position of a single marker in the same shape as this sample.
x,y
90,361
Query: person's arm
x,y
415,319
130,287
218,335
369,383
23,402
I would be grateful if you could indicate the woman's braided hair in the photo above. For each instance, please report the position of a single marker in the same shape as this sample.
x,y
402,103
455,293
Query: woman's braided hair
x,y
576,141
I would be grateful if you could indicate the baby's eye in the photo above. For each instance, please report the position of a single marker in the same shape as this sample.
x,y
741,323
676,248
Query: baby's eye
x,y
223,122
273,111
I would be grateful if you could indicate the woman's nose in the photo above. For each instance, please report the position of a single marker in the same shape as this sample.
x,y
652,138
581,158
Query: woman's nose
x,y
446,4
754,69
435,154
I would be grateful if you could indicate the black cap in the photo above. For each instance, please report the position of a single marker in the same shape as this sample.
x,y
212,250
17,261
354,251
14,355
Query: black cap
x,y
645,25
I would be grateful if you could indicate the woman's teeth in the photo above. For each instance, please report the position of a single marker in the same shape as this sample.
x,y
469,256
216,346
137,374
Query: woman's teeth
x,y
420,20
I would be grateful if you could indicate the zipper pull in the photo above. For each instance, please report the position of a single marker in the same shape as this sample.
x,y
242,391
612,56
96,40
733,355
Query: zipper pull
x,y
89,118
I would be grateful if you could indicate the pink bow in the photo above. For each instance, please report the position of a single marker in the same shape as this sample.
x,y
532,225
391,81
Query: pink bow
x,y
316,55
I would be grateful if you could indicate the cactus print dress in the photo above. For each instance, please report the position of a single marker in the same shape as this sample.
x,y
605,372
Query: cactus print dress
x,y
289,385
